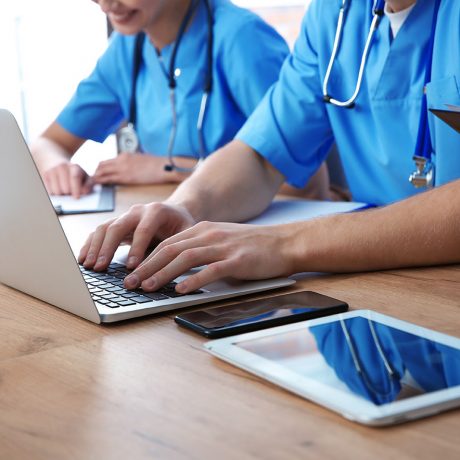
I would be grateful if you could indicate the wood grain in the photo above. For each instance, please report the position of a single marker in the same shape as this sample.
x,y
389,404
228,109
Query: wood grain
x,y
145,388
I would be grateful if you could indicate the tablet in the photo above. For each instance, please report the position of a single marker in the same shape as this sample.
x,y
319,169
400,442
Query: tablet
x,y
370,368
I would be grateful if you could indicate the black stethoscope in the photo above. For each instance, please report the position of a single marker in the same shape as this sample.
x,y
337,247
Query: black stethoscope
x,y
424,174
128,140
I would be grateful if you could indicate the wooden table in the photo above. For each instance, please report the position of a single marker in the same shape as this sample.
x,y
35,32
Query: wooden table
x,y
70,389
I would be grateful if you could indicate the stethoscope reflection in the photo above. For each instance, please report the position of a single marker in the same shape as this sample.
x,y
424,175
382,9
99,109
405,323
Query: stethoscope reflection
x,y
384,364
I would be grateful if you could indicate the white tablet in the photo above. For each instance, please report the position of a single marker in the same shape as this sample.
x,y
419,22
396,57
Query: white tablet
x,y
371,368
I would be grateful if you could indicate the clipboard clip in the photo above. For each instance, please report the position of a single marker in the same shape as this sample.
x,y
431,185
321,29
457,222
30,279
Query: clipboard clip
x,y
58,209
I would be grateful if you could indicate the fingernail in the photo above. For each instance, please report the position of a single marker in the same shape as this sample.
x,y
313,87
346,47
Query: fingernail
x,y
149,283
132,261
181,288
90,259
132,281
101,260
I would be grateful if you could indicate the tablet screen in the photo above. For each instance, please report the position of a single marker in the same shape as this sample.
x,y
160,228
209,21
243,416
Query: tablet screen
x,y
371,360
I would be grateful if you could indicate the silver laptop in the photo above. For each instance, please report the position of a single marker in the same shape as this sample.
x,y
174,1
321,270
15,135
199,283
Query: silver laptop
x,y
37,259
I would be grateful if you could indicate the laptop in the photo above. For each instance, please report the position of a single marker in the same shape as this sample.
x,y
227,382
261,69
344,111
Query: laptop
x,y
37,259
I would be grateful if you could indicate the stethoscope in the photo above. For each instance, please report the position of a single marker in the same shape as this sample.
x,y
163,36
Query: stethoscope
x,y
128,140
424,174
361,371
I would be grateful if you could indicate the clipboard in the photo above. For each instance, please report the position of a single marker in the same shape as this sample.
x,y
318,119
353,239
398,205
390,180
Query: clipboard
x,y
450,115
101,199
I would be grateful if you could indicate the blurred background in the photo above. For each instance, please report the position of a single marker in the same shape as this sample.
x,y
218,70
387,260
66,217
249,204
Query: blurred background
x,y
48,46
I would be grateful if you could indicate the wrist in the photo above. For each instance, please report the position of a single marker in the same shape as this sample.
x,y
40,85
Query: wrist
x,y
293,246
307,245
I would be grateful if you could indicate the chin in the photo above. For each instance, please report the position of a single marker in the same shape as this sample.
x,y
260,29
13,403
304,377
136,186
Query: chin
x,y
127,30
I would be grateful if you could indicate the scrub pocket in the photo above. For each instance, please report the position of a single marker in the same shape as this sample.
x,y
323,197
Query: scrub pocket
x,y
445,140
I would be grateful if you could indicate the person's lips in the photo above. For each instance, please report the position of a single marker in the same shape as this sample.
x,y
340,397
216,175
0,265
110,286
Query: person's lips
x,y
122,18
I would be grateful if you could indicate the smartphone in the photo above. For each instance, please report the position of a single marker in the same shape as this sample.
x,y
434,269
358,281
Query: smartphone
x,y
260,314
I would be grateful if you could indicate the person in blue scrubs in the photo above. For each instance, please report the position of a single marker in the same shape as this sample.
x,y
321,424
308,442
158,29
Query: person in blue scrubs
x,y
286,139
247,55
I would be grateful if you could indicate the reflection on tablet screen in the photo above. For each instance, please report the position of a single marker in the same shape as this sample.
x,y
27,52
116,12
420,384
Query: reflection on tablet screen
x,y
368,359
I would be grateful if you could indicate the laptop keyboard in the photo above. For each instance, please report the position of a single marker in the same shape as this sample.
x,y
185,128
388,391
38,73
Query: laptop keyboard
x,y
107,288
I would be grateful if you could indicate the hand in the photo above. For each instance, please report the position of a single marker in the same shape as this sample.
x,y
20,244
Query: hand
x,y
141,227
67,179
132,168
240,251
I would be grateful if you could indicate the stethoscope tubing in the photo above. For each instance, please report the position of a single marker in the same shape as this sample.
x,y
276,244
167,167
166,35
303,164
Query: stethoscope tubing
x,y
377,15
172,84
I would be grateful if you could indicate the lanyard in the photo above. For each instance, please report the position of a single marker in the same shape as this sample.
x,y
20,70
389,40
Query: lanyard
x,y
424,175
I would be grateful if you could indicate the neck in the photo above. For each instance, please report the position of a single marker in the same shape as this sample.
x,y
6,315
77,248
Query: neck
x,y
398,5
164,29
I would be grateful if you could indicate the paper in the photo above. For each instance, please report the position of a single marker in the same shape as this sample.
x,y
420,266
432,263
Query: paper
x,y
284,212
453,108
99,200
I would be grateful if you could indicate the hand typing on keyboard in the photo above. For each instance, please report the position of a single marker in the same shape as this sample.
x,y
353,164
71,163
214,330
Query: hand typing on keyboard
x,y
107,288
141,226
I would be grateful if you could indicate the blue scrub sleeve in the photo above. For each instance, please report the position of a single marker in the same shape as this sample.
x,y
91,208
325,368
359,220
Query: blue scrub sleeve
x,y
290,127
95,111
254,56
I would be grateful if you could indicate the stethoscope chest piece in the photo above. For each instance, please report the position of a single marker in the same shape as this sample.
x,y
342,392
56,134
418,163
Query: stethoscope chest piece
x,y
128,141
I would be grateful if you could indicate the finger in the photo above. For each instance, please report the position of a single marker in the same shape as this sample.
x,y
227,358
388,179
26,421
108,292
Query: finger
x,y
76,178
143,235
113,235
87,186
95,243
187,234
84,250
64,179
48,184
53,181
106,175
169,264
105,167
106,179
213,272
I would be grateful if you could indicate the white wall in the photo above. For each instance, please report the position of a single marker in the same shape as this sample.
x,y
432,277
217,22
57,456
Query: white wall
x,y
46,47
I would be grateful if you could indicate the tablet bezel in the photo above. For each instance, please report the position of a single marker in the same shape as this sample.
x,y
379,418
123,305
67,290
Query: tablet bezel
x,y
350,406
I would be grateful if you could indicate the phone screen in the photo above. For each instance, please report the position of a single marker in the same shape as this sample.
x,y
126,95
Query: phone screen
x,y
259,314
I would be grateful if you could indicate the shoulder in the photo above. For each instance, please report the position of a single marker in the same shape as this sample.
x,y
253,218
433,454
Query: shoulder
x,y
234,25
121,46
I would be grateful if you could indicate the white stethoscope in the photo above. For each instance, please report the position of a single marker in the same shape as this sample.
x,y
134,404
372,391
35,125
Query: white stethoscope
x,y
424,174
128,140
377,12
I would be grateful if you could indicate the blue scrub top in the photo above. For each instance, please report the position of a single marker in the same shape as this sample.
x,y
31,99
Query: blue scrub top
x,y
293,128
248,55
432,365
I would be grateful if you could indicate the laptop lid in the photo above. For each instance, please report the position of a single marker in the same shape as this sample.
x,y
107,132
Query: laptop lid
x,y
36,256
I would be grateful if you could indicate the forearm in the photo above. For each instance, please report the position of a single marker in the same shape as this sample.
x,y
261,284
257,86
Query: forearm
x,y
420,231
55,146
233,185
48,153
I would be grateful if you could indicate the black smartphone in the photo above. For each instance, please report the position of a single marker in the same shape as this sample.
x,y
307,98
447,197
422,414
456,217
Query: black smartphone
x,y
260,314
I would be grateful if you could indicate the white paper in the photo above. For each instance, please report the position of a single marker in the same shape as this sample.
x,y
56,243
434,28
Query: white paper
x,y
284,212
88,202
453,108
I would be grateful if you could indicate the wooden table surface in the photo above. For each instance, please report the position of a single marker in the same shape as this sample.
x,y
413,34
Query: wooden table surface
x,y
70,389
